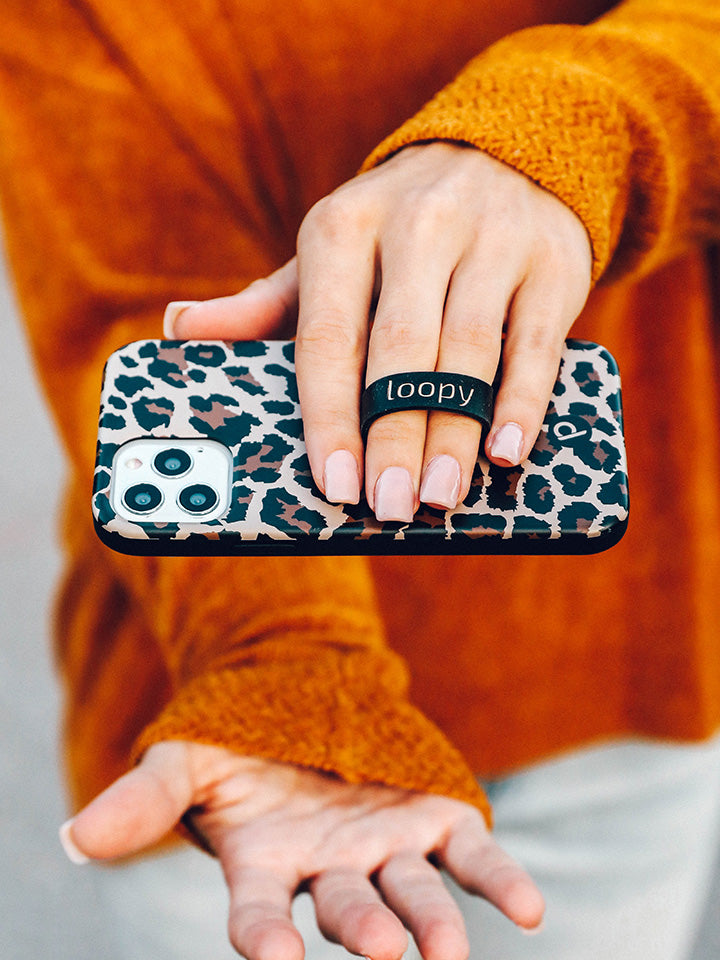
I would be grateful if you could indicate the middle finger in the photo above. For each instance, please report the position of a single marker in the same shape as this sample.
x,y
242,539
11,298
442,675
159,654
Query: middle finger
x,y
404,338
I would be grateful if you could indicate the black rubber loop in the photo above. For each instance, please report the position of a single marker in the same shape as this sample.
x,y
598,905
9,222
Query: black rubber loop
x,y
430,390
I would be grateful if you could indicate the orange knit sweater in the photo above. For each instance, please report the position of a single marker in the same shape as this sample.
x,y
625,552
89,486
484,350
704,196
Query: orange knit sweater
x,y
167,151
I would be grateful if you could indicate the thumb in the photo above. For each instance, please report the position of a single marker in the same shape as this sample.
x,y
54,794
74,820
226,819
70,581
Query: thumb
x,y
265,309
136,811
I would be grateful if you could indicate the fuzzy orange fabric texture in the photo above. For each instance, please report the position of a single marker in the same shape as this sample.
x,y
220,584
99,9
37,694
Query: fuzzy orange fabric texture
x,y
168,151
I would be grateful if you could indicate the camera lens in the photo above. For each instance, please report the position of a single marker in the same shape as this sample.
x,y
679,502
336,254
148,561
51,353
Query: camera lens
x,y
142,498
173,462
198,498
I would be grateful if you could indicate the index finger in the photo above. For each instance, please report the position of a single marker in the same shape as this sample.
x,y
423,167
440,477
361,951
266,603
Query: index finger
x,y
336,273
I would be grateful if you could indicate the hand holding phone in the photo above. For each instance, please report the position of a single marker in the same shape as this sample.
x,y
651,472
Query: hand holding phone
x,y
201,451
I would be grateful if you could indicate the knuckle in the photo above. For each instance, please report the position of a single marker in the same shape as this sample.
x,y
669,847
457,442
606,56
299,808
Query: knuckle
x,y
395,334
476,333
427,210
329,331
337,215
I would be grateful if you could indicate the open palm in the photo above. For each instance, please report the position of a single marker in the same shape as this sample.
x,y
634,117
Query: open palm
x,y
361,850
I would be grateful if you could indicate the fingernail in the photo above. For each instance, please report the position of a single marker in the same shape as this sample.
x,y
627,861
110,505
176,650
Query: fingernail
x,y
530,932
394,495
341,478
73,852
172,312
507,443
440,485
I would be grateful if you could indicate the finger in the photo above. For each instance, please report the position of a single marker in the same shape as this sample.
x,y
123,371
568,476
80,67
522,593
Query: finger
x,y
137,810
537,326
260,923
336,268
349,911
470,343
417,261
414,890
473,858
266,308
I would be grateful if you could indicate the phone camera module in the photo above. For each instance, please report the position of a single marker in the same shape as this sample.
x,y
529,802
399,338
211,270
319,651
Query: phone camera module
x,y
142,498
173,462
198,498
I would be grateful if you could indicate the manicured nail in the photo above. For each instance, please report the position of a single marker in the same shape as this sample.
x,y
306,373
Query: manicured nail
x,y
341,478
507,443
74,853
531,931
394,495
440,485
172,312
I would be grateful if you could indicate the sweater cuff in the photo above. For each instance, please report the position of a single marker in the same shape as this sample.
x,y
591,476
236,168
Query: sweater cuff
x,y
334,715
554,120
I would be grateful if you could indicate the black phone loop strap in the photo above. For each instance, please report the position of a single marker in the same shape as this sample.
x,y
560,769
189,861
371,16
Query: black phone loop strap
x,y
427,390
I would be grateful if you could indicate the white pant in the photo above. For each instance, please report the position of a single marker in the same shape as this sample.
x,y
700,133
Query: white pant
x,y
621,839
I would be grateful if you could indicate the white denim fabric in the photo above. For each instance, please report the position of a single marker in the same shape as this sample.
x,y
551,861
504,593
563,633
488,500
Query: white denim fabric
x,y
620,838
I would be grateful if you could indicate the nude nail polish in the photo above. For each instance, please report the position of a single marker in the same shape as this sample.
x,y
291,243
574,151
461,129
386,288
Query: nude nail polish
x,y
440,486
507,443
341,478
172,312
394,495
74,853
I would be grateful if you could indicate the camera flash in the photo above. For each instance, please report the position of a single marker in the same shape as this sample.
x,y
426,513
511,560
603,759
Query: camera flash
x,y
133,463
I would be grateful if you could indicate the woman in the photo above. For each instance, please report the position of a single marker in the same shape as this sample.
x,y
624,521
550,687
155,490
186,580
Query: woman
x,y
169,153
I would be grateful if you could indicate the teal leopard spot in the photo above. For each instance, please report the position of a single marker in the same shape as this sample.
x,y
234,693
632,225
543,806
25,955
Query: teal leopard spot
x,y
291,428
225,426
534,527
277,371
573,484
249,348
479,523
241,499
587,378
112,421
205,354
578,516
283,407
262,462
301,472
614,490
538,494
502,490
285,512
153,412
129,386
242,378
167,371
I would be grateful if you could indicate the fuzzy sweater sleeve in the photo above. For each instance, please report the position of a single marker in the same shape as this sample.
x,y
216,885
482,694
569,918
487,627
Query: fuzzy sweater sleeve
x,y
118,199
620,119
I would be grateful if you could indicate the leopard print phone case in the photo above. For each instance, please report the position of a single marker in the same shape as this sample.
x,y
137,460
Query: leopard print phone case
x,y
569,496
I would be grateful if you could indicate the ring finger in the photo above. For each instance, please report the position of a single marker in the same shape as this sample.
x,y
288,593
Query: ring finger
x,y
349,911
415,891
470,344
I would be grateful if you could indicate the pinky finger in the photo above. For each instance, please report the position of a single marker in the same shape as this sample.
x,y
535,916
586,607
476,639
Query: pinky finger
x,y
481,866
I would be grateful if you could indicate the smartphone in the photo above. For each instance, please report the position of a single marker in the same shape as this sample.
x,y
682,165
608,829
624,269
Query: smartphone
x,y
200,451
